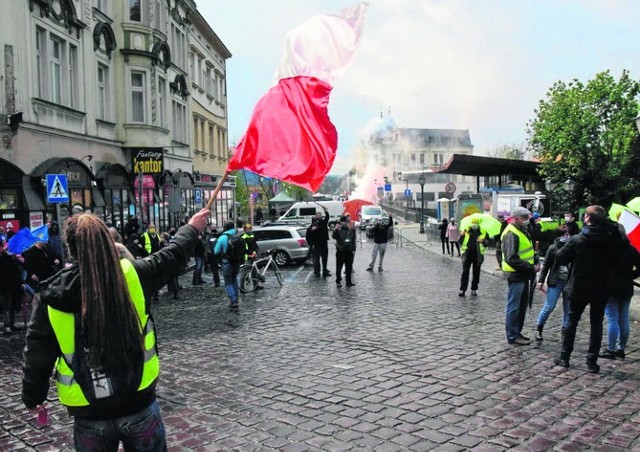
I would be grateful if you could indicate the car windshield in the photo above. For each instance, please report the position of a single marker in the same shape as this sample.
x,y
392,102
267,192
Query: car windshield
x,y
372,210
302,232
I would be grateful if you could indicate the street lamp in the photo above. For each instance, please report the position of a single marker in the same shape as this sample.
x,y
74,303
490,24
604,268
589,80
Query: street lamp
x,y
421,181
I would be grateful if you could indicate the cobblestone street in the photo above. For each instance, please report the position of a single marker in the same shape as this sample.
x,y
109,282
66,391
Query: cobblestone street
x,y
398,362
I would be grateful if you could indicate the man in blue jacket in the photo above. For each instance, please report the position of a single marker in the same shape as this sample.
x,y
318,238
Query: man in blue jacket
x,y
230,268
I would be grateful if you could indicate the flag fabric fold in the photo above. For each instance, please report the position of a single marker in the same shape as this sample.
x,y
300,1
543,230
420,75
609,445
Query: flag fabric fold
x,y
25,238
290,135
631,223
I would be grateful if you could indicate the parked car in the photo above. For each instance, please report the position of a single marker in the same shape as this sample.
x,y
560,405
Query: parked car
x,y
369,214
288,240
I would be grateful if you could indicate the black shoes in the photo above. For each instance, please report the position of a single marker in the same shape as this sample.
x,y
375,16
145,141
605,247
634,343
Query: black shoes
x,y
350,284
474,293
539,335
461,293
620,354
369,269
325,274
338,283
560,361
592,367
608,354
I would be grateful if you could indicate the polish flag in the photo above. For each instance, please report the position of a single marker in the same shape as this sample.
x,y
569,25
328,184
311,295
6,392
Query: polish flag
x,y
631,223
290,136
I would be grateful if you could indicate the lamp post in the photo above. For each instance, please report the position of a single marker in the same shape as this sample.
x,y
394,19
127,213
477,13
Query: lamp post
x,y
421,181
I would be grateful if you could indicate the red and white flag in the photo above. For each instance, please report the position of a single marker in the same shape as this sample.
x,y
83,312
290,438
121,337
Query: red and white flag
x,y
631,223
290,136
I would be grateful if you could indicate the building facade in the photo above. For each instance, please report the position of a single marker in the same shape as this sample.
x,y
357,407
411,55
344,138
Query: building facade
x,y
99,91
406,154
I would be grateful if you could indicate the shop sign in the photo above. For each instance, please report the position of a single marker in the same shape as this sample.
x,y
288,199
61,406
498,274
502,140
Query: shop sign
x,y
36,219
147,161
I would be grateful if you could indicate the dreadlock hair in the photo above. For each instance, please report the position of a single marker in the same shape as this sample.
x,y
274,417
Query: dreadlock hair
x,y
110,322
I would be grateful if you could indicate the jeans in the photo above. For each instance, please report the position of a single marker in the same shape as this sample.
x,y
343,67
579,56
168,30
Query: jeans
x,y
143,431
197,271
378,248
596,316
517,300
617,312
553,294
230,274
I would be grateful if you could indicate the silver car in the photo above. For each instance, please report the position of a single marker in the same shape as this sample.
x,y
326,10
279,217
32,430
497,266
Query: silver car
x,y
289,242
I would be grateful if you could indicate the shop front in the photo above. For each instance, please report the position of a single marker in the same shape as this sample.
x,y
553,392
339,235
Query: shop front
x,y
20,205
82,186
148,176
118,197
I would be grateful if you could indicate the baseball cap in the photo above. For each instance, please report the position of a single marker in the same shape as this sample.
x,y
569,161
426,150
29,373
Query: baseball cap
x,y
521,212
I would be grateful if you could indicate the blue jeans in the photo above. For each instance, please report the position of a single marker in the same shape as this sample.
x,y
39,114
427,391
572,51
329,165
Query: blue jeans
x,y
230,275
517,300
141,431
617,312
197,271
553,294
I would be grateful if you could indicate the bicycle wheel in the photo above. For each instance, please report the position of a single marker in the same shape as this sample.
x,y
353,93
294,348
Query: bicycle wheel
x,y
276,270
247,282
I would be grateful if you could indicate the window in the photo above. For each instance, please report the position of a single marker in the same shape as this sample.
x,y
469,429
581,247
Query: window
x,y
161,23
103,92
74,96
207,81
178,46
196,144
162,102
138,109
211,150
103,5
55,69
135,11
438,159
422,159
57,66
179,121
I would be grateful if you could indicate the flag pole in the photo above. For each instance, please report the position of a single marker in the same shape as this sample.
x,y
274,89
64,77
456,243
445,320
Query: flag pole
x,y
217,190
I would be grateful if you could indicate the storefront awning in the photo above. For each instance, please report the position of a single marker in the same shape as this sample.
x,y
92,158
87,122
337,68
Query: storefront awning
x,y
31,197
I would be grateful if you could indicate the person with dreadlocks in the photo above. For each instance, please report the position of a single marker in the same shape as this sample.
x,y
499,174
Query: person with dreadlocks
x,y
92,322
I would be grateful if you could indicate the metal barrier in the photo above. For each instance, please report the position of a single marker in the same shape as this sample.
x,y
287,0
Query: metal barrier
x,y
410,235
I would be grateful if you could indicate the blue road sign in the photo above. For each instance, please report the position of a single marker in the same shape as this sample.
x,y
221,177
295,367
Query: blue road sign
x,y
57,188
198,196
387,187
407,192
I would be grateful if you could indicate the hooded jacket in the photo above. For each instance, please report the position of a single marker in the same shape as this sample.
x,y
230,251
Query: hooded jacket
x,y
626,269
62,292
551,271
592,255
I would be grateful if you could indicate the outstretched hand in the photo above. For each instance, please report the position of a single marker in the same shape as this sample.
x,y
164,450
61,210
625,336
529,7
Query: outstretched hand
x,y
199,219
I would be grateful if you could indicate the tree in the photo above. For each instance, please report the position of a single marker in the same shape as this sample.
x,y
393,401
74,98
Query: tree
x,y
510,151
586,132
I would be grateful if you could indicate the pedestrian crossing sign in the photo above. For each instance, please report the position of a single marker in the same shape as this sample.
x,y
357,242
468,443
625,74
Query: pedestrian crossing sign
x,y
57,188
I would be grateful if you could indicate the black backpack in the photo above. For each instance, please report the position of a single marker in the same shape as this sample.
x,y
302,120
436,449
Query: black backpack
x,y
236,248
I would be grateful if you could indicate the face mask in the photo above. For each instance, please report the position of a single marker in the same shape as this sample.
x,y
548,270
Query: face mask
x,y
567,218
526,223
475,227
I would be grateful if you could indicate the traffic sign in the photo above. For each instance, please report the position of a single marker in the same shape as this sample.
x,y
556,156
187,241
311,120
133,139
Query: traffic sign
x,y
197,196
407,192
387,187
450,187
57,188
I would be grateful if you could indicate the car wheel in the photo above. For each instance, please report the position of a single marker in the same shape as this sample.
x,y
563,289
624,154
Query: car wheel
x,y
281,258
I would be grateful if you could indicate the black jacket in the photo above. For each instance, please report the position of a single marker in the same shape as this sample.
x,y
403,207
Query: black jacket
x,y
592,255
381,231
345,238
62,291
551,271
625,270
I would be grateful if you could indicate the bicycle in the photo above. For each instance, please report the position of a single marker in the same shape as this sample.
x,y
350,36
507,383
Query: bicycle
x,y
252,273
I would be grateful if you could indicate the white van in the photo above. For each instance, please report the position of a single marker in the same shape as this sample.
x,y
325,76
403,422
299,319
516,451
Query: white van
x,y
369,214
304,212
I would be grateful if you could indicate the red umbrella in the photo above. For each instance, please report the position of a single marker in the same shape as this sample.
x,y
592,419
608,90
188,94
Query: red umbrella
x,y
352,207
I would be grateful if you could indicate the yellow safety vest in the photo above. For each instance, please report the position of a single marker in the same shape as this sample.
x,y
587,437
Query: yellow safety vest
x,y
147,242
63,324
525,247
481,237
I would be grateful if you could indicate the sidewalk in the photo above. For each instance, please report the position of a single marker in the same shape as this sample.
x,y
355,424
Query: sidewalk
x,y
490,264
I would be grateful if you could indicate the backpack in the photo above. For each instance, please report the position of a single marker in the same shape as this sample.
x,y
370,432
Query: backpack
x,y
236,248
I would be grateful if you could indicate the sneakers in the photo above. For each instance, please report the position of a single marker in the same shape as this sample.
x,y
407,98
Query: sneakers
x,y
538,335
379,269
521,341
338,284
461,293
526,338
350,284
474,293
233,305
608,354
369,269
562,362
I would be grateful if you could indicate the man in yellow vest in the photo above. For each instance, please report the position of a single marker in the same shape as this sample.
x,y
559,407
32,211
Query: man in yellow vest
x,y
518,264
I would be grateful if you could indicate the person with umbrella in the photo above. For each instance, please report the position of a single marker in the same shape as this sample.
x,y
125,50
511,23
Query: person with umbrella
x,y
473,248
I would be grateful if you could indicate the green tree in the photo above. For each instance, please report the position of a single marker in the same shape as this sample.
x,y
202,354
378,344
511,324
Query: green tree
x,y
586,132
242,193
509,151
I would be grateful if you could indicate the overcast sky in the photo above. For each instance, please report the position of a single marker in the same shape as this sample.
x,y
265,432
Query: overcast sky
x,y
481,65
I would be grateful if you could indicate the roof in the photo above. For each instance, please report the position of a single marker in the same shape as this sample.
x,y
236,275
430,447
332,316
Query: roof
x,y
282,197
473,165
